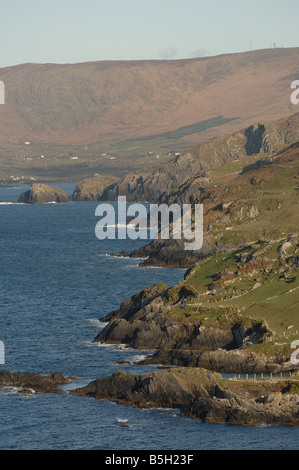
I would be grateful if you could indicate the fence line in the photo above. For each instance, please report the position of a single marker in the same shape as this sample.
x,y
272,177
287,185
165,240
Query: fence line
x,y
263,376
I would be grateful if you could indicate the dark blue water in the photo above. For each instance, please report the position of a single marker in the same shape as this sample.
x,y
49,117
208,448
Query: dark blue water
x,y
55,285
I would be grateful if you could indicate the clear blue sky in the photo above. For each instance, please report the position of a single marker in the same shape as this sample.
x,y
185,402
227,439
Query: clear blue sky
x,y
69,31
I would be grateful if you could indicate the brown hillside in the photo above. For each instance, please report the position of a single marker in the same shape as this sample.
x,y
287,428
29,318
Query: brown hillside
x,y
112,102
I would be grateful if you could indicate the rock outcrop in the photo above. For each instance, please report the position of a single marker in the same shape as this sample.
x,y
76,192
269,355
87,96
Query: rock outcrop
x,y
202,394
172,254
33,382
131,305
43,194
152,329
235,361
91,189
143,321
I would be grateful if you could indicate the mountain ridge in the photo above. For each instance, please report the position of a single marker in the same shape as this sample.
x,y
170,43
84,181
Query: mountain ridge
x,y
112,101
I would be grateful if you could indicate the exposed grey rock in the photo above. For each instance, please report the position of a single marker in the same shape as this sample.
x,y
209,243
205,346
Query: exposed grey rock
x,y
284,248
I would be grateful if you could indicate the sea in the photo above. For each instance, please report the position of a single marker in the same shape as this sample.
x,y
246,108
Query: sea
x,y
57,281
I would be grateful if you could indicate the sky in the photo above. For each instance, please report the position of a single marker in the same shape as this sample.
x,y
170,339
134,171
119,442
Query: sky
x,y
71,31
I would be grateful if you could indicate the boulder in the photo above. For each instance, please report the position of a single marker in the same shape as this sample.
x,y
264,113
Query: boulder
x,y
284,249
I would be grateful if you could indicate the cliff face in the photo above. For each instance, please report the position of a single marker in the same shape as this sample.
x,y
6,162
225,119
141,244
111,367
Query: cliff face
x,y
171,253
42,194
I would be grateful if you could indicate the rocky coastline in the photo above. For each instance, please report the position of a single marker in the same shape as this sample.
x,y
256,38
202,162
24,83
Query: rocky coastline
x,y
214,322
195,382
143,322
198,357
202,394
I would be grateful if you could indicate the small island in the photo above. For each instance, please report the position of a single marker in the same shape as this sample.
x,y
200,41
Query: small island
x,y
43,194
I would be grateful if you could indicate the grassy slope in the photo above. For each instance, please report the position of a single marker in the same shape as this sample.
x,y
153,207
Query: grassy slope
x,y
255,282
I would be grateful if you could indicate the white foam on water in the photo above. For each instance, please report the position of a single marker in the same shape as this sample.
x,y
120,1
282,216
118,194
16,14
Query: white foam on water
x,y
8,203
111,346
10,390
116,225
97,323
138,358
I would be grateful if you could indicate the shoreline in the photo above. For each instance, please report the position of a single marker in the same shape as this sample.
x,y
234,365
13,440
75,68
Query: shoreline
x,y
142,322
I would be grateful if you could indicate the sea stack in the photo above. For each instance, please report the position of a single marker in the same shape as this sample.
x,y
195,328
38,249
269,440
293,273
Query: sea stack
x,y
42,194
